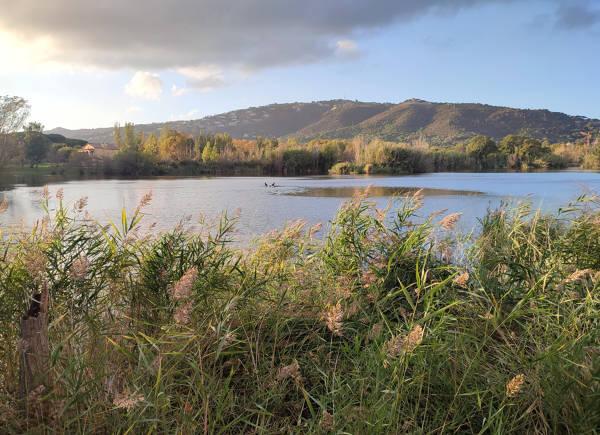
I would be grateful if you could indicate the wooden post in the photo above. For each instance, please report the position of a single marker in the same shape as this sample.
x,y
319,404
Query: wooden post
x,y
34,352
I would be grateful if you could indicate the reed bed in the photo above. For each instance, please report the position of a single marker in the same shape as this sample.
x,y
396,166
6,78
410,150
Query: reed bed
x,y
376,325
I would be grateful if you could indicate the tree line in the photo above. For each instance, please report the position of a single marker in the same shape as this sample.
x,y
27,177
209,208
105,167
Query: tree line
x,y
174,152
359,155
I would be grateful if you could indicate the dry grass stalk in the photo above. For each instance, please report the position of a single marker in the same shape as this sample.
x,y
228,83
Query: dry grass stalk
x,y
514,385
60,194
3,205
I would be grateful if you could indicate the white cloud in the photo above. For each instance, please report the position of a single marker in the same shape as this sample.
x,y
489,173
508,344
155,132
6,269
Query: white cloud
x,y
203,78
346,48
185,116
144,85
178,92
133,109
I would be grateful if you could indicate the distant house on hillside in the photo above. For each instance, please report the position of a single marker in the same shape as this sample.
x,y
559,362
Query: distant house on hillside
x,y
88,149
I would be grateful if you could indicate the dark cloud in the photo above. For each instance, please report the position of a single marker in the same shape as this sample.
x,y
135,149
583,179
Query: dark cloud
x,y
247,34
577,15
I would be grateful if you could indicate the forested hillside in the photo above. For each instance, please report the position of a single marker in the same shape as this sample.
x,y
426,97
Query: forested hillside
x,y
411,120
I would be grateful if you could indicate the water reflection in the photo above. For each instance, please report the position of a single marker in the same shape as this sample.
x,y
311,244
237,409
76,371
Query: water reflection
x,y
374,191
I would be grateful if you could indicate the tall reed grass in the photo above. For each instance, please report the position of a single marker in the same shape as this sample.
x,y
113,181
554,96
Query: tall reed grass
x,y
373,327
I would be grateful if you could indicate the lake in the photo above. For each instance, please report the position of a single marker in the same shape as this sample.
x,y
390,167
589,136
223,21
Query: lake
x,y
314,199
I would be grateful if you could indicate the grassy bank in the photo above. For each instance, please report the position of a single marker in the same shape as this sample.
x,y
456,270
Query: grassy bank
x,y
378,326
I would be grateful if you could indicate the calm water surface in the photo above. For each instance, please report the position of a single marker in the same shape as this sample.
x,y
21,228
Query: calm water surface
x,y
314,199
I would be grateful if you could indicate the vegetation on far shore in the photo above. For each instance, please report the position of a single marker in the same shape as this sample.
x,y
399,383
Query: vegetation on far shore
x,y
176,153
379,324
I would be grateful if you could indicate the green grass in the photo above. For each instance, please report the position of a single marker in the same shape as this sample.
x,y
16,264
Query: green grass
x,y
381,325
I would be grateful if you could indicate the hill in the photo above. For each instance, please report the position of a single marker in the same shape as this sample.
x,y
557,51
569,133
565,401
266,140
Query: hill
x,y
439,123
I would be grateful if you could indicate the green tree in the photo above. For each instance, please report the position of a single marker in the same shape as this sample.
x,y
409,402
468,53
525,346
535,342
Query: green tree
x,y
117,139
36,143
151,145
531,149
177,147
206,153
214,154
210,153
511,144
130,142
480,147
13,113
164,135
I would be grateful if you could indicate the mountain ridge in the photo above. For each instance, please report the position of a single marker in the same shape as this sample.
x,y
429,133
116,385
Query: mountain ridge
x,y
414,119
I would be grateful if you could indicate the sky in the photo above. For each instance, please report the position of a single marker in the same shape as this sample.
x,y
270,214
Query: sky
x,y
90,63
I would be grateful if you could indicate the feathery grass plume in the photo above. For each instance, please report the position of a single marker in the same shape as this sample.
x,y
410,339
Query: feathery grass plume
x,y
514,385
183,312
128,401
450,221
393,347
375,331
45,193
183,287
3,205
368,278
403,343
353,309
413,339
361,196
416,198
290,371
144,201
461,280
579,275
81,203
35,263
60,194
80,266
333,319
327,422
